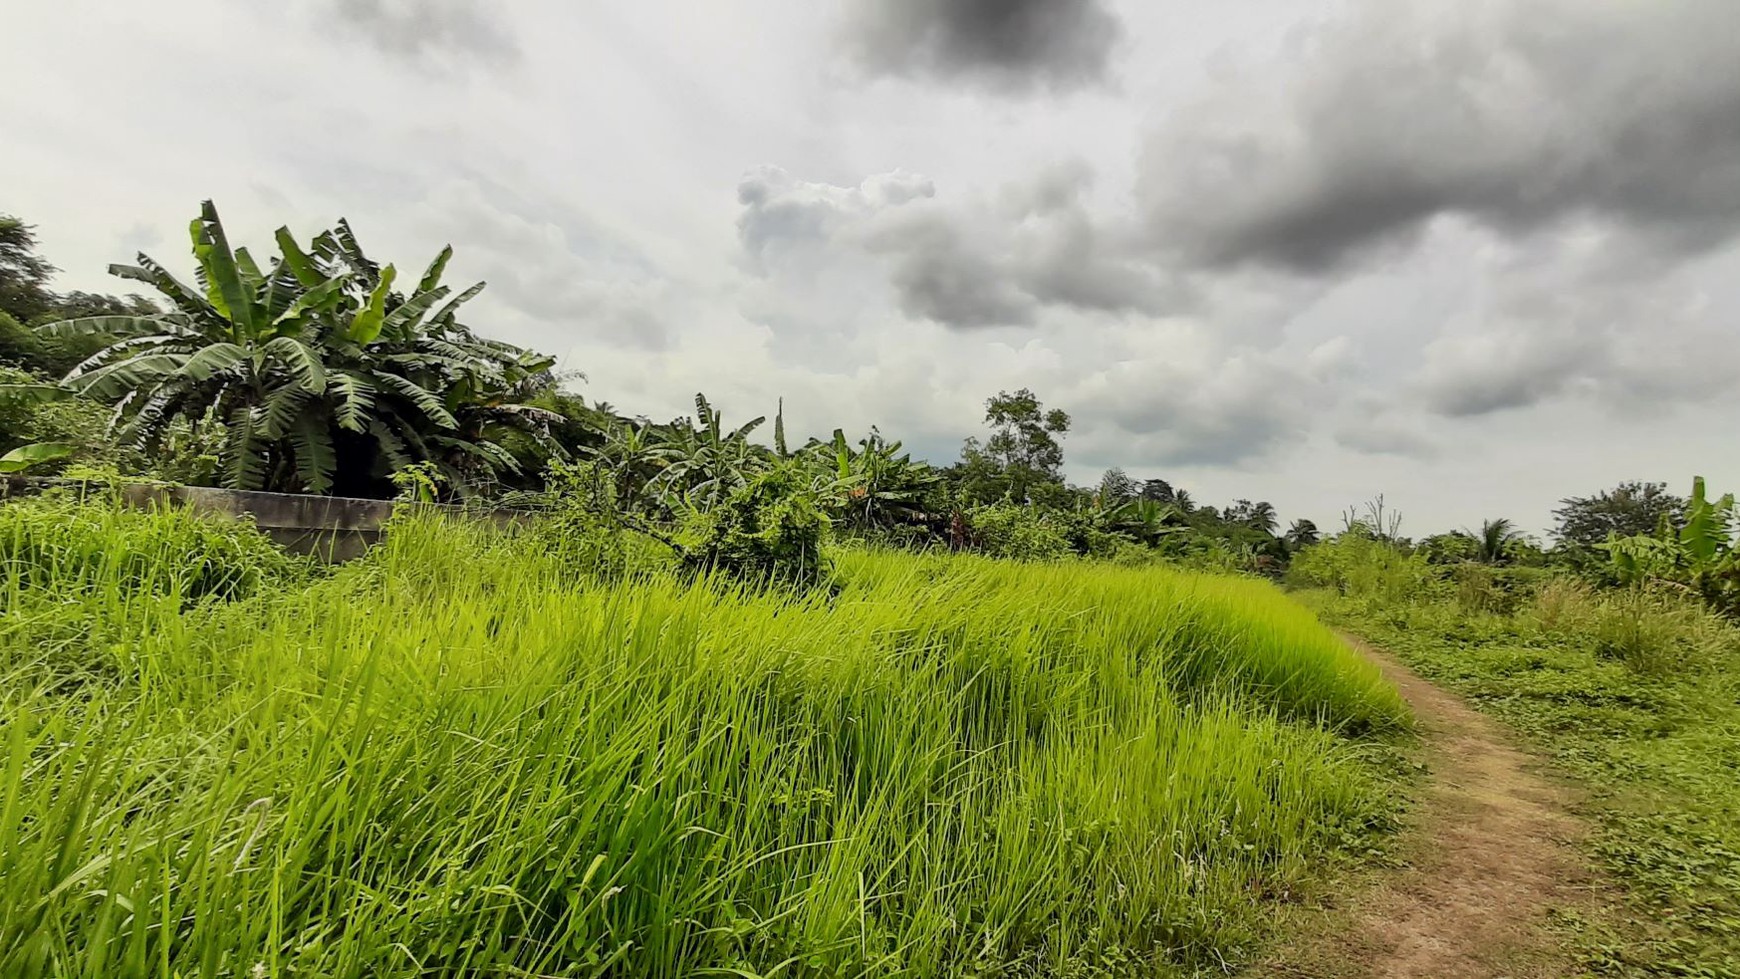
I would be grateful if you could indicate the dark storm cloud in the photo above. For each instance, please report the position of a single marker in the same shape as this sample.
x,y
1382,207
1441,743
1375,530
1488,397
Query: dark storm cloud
x,y
413,28
941,274
1010,44
1517,115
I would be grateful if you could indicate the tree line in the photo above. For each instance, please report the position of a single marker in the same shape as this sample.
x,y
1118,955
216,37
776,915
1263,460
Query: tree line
x,y
319,369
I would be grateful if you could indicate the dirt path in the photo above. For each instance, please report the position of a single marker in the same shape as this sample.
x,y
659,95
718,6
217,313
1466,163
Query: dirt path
x,y
1491,857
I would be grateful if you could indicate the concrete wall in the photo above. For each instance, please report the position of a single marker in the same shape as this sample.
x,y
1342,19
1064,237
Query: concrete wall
x,y
334,528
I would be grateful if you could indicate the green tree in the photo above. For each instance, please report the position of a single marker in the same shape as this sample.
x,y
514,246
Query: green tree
x,y
1628,510
323,375
1158,490
1022,459
24,275
1302,533
1117,487
26,300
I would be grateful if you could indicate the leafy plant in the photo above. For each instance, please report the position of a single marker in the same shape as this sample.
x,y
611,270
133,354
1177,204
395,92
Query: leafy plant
x,y
705,464
317,367
1020,533
35,454
771,529
873,486
1700,555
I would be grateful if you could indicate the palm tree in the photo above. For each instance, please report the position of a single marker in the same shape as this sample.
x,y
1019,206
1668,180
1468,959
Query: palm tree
x,y
1261,516
314,364
1303,533
1494,539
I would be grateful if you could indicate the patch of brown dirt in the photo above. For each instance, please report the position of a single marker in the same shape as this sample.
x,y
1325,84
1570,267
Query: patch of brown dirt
x,y
1491,856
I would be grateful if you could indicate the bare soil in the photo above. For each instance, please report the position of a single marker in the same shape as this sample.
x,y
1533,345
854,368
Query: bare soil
x,y
1491,856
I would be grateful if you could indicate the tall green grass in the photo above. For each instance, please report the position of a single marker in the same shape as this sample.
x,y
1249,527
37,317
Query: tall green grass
x,y
458,757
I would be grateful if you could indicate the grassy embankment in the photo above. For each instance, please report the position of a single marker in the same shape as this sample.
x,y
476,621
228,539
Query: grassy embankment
x,y
1637,695
460,757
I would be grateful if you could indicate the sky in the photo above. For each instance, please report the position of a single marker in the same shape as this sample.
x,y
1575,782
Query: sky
x,y
1473,255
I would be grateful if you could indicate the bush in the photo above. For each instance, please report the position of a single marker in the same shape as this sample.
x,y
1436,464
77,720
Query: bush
x,y
1495,590
1657,634
24,420
1359,566
583,529
1019,533
771,530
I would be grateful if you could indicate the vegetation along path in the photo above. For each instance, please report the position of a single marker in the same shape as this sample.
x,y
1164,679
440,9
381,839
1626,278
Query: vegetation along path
x,y
1492,861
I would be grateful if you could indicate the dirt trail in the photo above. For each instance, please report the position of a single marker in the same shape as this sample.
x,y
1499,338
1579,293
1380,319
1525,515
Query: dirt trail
x,y
1491,857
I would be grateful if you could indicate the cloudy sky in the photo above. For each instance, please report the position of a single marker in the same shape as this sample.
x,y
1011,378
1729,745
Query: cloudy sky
x,y
1473,254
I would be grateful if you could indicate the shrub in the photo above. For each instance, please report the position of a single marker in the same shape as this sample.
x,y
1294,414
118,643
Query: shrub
x,y
1656,634
583,528
1495,590
1360,566
770,530
1019,533
76,421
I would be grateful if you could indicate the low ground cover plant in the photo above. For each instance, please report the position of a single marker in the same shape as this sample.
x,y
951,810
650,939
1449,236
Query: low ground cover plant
x,y
1635,690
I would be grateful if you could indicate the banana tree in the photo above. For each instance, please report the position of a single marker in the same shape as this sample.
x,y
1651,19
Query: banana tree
x,y
635,455
1145,520
875,485
316,365
705,462
35,454
1701,555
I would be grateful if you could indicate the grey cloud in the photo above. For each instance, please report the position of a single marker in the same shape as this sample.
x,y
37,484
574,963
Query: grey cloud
x,y
1498,371
552,264
1238,409
940,274
1519,115
780,211
995,262
1014,45
1381,437
414,28
1605,324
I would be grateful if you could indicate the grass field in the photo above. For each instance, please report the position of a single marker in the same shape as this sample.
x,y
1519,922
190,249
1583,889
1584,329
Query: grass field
x,y
462,757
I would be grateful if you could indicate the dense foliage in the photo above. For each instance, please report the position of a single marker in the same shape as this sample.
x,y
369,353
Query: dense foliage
x,y
313,372
322,376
